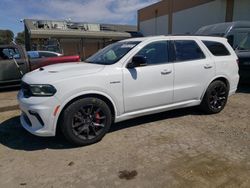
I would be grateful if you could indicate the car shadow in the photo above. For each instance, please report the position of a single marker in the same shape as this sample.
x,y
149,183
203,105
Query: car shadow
x,y
9,89
13,135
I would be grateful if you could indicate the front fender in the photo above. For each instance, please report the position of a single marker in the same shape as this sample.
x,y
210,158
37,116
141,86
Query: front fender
x,y
65,101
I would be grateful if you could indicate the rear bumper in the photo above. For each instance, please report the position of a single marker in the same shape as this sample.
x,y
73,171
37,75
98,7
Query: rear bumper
x,y
234,85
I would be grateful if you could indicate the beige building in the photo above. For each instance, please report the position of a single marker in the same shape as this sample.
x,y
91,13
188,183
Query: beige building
x,y
187,16
73,38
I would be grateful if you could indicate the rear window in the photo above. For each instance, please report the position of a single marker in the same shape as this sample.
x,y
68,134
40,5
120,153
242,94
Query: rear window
x,y
187,50
216,48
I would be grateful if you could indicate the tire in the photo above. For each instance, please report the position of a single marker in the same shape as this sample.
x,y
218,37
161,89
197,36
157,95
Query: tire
x,y
85,121
215,98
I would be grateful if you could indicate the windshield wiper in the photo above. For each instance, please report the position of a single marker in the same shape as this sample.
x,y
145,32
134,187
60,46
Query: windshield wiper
x,y
96,62
87,61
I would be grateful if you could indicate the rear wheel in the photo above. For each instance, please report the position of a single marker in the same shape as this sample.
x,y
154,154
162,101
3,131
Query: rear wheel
x,y
215,97
85,121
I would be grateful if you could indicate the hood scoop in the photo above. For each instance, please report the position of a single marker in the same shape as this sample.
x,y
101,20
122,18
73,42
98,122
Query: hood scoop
x,y
65,70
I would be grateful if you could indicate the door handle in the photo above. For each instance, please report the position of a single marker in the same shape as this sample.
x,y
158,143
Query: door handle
x,y
165,72
208,66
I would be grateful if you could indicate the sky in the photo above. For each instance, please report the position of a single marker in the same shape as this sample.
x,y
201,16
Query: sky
x,y
92,11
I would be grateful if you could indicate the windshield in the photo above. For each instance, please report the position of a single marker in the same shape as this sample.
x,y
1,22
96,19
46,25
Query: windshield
x,y
112,53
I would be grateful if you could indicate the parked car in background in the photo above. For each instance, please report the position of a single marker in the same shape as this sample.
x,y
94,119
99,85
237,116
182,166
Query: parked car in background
x,y
127,79
41,54
14,63
41,62
238,35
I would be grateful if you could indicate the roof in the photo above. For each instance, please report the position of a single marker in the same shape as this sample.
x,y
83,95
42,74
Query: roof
x,y
64,29
72,34
179,37
33,51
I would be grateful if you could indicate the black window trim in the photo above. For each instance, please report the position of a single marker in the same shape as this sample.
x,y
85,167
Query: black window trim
x,y
155,64
173,54
229,53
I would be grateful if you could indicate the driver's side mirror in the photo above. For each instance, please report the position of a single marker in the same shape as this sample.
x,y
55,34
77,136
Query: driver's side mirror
x,y
137,61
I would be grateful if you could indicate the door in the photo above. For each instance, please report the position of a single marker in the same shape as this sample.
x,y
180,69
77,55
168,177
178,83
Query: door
x,y
151,85
8,68
194,68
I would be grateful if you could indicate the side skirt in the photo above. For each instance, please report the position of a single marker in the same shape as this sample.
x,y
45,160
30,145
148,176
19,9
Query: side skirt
x,y
155,110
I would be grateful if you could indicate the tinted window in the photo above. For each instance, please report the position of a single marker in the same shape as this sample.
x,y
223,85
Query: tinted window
x,y
245,43
33,54
216,48
186,50
155,53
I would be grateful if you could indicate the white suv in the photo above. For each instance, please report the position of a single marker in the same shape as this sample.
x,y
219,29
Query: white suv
x,y
127,79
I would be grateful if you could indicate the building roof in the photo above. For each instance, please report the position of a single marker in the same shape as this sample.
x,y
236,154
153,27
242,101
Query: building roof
x,y
65,29
73,34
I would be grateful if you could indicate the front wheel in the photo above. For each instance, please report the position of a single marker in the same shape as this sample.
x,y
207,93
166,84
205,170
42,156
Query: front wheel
x,y
85,121
215,98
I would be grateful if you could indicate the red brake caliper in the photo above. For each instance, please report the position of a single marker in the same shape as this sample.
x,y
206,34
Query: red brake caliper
x,y
97,117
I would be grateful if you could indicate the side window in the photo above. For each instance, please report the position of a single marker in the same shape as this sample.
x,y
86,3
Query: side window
x,y
9,53
245,43
155,53
236,39
216,48
33,54
45,54
187,50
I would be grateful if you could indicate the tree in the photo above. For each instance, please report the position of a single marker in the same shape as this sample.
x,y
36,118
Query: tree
x,y
6,36
20,38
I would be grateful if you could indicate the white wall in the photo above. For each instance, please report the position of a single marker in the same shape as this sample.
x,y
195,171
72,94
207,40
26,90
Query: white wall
x,y
155,26
241,10
190,20
162,25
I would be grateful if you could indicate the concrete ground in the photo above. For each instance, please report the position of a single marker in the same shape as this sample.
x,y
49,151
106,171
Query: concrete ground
x,y
180,148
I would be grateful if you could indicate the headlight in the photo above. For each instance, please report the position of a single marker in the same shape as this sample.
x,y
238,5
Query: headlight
x,y
42,90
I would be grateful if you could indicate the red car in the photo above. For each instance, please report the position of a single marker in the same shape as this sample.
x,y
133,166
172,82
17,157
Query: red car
x,y
15,62
41,62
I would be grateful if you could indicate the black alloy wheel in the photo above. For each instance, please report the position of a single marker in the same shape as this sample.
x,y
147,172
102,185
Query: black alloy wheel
x,y
88,122
85,121
215,97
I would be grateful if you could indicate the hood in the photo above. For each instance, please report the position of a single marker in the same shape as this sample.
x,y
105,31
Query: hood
x,y
57,72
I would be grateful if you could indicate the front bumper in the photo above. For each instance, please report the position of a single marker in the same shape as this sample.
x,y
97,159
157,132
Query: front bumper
x,y
37,114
